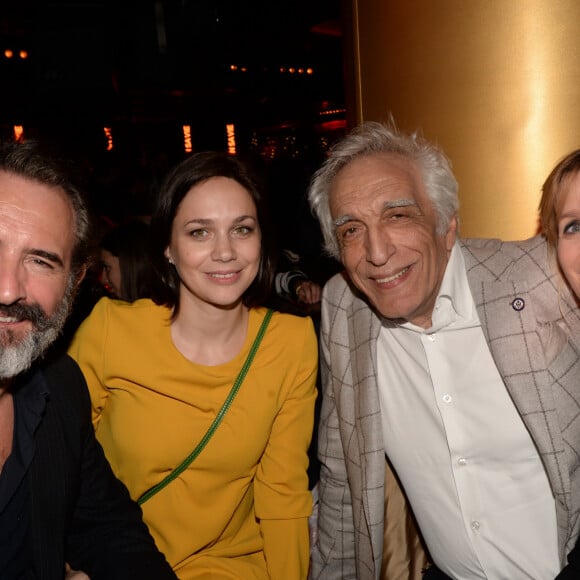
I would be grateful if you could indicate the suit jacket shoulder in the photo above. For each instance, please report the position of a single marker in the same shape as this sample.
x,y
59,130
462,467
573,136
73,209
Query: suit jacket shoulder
x,y
80,512
493,260
68,388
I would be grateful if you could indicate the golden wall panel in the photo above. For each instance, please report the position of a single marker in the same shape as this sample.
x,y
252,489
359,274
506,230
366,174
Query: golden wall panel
x,y
495,82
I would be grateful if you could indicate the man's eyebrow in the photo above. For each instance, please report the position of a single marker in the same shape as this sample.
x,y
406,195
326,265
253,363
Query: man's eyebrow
x,y
399,203
50,256
344,219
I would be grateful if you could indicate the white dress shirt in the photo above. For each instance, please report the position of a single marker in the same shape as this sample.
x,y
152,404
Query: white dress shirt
x,y
469,467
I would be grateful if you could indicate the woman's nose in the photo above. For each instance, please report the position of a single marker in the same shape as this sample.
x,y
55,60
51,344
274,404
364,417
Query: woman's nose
x,y
223,248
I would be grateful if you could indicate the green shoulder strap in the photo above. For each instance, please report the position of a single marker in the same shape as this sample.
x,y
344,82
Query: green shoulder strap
x,y
218,419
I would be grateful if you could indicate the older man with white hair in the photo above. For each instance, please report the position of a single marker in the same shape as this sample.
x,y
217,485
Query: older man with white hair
x,y
449,359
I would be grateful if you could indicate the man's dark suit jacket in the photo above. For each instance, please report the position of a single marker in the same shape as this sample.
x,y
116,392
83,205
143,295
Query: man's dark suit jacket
x,y
80,513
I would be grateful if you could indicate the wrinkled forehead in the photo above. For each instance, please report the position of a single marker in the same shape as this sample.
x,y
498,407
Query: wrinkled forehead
x,y
378,178
37,214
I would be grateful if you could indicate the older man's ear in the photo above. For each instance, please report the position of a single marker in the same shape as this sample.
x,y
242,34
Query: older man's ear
x,y
451,235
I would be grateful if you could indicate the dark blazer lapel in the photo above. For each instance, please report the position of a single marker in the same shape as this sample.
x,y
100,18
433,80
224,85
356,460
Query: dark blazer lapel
x,y
48,490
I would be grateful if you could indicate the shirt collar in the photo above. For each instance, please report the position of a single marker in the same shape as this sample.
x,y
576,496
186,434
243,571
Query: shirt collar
x,y
454,303
455,286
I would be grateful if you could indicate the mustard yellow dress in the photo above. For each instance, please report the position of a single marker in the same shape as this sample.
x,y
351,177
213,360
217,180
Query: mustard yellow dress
x,y
240,510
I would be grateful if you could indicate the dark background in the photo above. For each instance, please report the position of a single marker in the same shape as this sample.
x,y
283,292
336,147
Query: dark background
x,y
145,68
154,63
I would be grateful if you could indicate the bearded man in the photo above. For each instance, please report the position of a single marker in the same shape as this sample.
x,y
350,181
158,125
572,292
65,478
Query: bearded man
x,y
60,503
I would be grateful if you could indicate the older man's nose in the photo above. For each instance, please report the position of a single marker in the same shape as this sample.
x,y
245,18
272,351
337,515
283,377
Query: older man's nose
x,y
378,246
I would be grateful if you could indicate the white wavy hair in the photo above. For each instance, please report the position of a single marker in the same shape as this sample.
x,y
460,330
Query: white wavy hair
x,y
372,138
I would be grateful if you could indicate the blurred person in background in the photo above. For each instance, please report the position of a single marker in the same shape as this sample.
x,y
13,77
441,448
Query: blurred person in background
x,y
126,270
298,293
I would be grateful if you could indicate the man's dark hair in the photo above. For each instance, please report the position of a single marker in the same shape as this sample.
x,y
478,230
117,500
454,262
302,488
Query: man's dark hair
x,y
32,160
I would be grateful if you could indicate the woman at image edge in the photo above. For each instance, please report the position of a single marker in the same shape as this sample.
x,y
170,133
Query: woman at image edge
x,y
159,371
560,217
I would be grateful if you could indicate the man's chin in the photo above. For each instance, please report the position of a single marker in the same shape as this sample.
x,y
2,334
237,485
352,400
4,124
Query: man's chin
x,y
10,338
14,360
27,341
18,355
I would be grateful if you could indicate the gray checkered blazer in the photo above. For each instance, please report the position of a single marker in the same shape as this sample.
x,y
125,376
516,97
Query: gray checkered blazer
x,y
527,319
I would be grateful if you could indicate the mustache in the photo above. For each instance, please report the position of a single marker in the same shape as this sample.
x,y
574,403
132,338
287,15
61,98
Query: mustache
x,y
32,312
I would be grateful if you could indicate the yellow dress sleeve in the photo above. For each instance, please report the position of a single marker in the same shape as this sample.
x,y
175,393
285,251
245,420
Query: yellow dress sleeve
x,y
287,549
88,350
282,499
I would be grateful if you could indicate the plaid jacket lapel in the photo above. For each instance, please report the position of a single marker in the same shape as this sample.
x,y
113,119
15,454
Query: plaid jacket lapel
x,y
519,355
364,327
517,316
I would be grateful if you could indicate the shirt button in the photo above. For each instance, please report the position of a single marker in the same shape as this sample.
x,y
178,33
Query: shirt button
x,y
431,337
447,399
462,461
475,525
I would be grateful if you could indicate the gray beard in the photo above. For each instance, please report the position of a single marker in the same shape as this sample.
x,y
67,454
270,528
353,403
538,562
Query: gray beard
x,y
17,357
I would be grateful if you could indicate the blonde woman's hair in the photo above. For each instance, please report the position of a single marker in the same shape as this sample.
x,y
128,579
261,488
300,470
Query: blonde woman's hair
x,y
550,204
552,193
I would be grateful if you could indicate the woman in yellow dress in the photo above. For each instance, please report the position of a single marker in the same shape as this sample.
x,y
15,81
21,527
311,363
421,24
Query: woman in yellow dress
x,y
159,372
